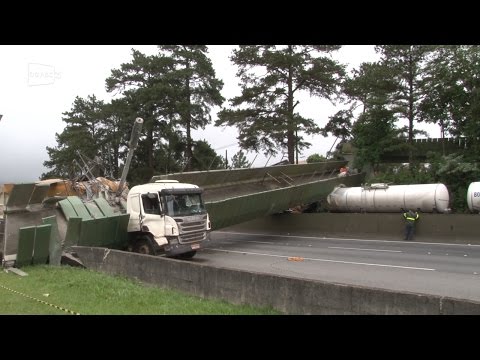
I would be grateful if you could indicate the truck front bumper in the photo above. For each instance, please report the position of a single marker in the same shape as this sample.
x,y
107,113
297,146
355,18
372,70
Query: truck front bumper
x,y
177,249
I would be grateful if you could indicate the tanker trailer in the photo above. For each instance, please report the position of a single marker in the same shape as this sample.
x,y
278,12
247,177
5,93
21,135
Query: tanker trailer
x,y
473,197
385,198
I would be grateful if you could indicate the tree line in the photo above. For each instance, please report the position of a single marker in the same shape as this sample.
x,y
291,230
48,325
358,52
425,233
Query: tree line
x,y
176,90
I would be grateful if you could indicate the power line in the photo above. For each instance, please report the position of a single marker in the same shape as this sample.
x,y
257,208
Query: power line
x,y
225,146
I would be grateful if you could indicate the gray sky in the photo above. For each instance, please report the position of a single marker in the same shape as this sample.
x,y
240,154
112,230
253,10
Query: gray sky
x,y
39,83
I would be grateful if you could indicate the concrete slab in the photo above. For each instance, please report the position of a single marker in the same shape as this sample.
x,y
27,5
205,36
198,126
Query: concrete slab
x,y
16,271
72,235
55,243
19,197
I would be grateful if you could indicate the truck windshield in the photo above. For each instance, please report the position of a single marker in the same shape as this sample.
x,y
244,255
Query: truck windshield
x,y
183,204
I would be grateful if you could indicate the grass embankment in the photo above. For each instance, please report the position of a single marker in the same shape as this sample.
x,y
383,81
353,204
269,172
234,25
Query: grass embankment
x,y
92,293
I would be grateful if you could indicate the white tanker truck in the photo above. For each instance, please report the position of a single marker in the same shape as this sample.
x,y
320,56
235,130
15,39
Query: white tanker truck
x,y
473,197
382,197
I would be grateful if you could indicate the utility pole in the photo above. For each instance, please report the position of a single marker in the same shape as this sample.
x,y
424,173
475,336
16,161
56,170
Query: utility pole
x,y
296,144
137,127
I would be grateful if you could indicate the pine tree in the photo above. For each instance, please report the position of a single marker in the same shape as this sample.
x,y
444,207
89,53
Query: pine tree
x,y
146,89
406,68
196,89
271,77
239,161
84,132
452,96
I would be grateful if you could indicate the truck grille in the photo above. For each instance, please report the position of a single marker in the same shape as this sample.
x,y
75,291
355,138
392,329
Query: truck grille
x,y
192,231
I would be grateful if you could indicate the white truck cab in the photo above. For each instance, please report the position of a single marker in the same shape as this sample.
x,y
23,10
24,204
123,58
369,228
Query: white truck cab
x,y
167,216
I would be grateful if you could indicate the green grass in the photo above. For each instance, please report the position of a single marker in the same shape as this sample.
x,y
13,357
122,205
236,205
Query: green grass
x,y
92,293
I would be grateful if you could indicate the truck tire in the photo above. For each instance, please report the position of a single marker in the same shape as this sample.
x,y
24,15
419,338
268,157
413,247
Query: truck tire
x,y
187,255
143,245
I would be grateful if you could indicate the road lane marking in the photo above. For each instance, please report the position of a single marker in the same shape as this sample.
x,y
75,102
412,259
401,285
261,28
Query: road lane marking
x,y
262,242
324,260
346,248
249,241
336,238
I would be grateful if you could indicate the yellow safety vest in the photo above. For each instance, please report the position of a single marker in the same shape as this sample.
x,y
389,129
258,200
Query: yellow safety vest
x,y
410,218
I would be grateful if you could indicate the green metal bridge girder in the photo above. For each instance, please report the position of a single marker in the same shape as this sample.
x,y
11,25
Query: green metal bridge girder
x,y
239,195
240,209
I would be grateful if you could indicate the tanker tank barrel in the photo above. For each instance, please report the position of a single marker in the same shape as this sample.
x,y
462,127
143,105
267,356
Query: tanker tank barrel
x,y
137,127
381,197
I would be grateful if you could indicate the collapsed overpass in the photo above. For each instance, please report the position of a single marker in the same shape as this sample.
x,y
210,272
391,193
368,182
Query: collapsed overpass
x,y
231,196
239,195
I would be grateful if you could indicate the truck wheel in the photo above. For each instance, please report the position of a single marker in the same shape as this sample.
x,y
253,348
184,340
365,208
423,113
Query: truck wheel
x,y
143,245
187,255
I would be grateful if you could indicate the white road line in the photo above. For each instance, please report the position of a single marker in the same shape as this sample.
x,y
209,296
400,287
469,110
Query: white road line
x,y
339,247
336,238
261,242
325,260
249,241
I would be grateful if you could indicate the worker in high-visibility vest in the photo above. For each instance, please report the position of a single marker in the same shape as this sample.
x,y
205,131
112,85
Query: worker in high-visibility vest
x,y
410,218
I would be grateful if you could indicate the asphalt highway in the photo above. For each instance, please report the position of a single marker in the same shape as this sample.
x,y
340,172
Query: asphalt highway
x,y
451,270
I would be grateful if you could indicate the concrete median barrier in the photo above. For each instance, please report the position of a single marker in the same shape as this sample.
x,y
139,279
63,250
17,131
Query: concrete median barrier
x,y
286,294
447,228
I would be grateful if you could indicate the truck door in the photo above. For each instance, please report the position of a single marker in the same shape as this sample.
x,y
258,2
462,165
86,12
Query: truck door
x,y
135,211
153,220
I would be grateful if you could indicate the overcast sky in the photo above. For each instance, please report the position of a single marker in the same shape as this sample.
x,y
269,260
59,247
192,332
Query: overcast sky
x,y
39,83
